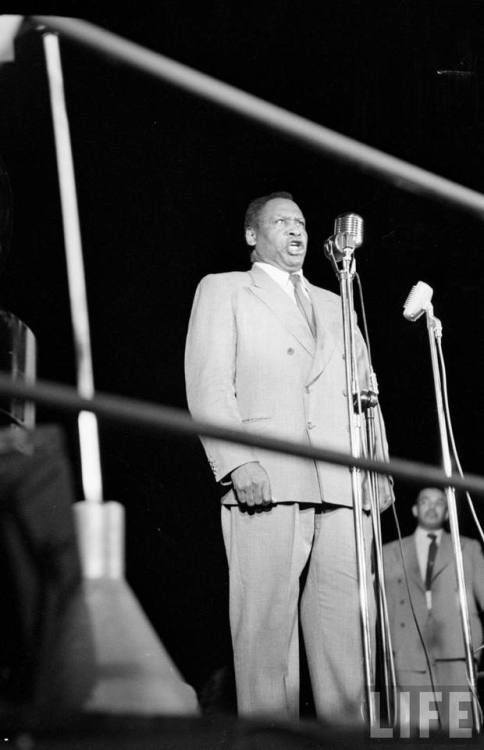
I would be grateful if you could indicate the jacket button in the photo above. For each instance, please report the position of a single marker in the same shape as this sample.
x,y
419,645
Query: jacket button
x,y
290,350
311,426
402,624
402,601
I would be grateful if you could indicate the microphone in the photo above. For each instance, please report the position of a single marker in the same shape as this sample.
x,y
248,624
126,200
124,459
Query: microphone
x,y
348,235
418,301
348,231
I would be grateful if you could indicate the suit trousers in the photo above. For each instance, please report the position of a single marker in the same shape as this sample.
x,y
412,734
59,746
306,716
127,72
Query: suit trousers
x,y
267,551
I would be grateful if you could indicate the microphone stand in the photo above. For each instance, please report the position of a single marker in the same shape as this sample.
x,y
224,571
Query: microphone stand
x,y
345,275
370,403
434,328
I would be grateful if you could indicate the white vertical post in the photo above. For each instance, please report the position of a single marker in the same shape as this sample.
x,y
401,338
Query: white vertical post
x,y
87,422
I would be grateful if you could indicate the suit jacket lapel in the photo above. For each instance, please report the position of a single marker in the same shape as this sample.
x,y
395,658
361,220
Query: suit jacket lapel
x,y
325,339
413,569
278,301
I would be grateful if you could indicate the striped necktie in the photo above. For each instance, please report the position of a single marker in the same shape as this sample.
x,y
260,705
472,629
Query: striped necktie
x,y
303,302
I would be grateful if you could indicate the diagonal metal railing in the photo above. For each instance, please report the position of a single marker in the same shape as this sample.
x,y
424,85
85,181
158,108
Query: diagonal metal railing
x,y
167,420
400,173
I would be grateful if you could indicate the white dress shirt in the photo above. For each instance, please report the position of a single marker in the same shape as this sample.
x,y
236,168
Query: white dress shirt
x,y
281,278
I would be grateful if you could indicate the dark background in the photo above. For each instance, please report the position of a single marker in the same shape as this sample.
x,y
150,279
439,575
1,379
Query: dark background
x,y
163,181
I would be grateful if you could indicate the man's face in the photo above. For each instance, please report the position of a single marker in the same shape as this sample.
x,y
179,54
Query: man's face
x,y
280,237
430,509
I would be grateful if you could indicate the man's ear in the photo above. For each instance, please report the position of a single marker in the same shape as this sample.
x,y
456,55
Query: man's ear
x,y
250,237
414,510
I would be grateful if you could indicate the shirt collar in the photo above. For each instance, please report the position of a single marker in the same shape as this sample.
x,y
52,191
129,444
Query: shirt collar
x,y
278,274
423,533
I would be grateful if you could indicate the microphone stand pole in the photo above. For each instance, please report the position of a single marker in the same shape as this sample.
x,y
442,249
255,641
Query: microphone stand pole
x,y
370,403
434,328
345,276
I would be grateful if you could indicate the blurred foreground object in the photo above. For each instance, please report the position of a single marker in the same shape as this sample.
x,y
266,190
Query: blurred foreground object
x,y
46,646
18,357
73,640
9,25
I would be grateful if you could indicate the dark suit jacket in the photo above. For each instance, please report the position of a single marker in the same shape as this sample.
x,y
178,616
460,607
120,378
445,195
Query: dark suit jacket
x,y
441,627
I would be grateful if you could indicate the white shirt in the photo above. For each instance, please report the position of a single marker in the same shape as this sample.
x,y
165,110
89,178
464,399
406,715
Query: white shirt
x,y
281,278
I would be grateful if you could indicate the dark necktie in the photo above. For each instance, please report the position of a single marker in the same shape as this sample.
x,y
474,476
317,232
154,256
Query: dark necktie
x,y
430,560
303,302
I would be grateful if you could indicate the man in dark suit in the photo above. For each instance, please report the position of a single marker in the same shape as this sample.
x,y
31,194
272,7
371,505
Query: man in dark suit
x,y
423,605
265,353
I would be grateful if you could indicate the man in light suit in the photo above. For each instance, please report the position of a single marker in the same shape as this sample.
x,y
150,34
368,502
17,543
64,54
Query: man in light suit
x,y
423,607
265,353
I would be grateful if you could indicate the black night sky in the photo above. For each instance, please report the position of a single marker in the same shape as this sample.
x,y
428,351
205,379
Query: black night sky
x,y
163,181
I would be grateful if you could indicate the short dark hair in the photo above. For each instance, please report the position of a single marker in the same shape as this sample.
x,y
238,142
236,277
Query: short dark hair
x,y
254,208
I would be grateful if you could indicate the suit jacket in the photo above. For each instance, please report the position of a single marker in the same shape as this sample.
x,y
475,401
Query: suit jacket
x,y
252,363
441,627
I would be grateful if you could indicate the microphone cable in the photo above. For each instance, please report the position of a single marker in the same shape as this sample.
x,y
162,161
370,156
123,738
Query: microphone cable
x,y
470,503
377,538
451,435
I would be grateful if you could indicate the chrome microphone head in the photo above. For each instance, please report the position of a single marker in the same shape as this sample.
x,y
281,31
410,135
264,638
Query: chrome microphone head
x,y
418,301
348,231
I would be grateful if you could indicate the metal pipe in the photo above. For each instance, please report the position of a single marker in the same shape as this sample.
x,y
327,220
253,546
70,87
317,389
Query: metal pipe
x,y
399,173
87,424
164,420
